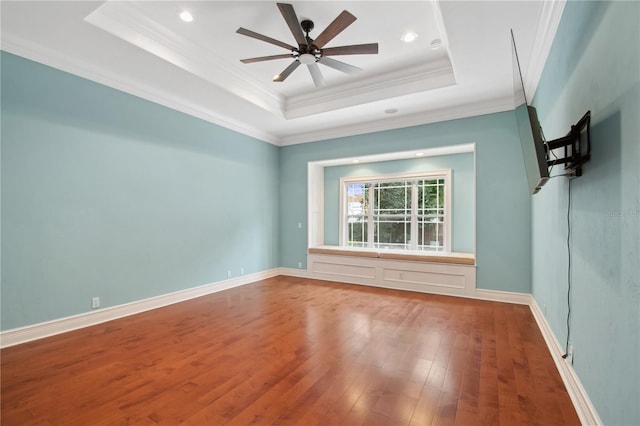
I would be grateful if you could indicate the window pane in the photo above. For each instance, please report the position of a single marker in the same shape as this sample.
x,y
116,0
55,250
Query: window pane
x,y
356,199
392,232
357,231
431,197
431,234
392,198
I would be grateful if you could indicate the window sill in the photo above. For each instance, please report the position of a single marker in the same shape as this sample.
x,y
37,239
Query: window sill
x,y
452,258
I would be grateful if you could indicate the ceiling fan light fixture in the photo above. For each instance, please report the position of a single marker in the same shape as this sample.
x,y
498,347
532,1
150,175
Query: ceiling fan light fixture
x,y
307,58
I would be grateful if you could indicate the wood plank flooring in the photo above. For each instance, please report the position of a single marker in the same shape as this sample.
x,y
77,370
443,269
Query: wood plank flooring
x,y
294,351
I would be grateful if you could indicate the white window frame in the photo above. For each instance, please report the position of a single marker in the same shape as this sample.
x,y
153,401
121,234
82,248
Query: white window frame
x,y
427,175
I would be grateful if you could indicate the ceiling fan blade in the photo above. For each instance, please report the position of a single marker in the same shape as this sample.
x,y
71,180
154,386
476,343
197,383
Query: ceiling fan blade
x,y
288,70
289,15
265,58
354,49
316,75
255,35
340,66
336,27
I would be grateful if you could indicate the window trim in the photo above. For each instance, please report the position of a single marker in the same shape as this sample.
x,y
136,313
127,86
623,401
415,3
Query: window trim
x,y
393,177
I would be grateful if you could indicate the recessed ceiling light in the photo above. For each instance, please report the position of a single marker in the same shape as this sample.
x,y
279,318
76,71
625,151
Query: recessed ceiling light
x,y
186,16
409,36
391,110
436,43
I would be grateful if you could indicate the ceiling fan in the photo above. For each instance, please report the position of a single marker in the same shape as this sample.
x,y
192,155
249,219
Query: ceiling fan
x,y
309,51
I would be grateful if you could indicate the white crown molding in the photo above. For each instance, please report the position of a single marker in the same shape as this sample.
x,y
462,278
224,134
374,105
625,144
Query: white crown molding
x,y
461,111
88,71
127,21
85,70
584,407
50,328
326,100
548,23
402,81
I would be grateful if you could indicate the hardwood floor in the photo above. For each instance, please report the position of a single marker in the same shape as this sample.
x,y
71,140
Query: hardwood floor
x,y
294,351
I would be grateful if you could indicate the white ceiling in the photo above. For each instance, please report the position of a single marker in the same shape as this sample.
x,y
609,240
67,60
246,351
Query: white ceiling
x,y
145,49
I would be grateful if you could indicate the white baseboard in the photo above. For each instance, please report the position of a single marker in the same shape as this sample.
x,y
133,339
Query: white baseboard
x,y
293,272
476,293
45,329
583,405
502,296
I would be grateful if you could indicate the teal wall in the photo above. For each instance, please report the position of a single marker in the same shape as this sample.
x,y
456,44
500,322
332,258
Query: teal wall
x,y
503,204
593,65
462,194
105,194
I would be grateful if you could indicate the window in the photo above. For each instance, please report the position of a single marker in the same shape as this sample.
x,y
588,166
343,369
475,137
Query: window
x,y
403,212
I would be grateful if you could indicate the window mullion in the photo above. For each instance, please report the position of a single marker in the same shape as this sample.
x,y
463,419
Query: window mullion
x,y
414,215
438,216
370,216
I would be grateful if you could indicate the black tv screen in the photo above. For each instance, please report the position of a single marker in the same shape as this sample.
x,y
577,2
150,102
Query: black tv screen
x,y
531,141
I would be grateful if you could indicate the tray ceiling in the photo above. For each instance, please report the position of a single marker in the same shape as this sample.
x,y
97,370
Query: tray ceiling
x,y
144,48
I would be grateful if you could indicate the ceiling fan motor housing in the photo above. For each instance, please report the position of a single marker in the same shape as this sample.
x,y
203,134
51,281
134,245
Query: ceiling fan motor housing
x,y
307,26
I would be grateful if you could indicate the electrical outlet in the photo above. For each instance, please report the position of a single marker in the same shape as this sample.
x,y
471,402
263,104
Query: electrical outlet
x,y
95,302
241,271
299,265
229,273
570,353
299,225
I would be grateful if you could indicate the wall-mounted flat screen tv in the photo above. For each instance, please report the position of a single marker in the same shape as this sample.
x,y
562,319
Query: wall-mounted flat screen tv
x,y
572,150
531,140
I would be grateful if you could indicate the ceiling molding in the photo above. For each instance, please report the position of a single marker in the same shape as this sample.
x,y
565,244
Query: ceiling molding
x,y
99,75
403,81
548,23
456,112
126,21
175,52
